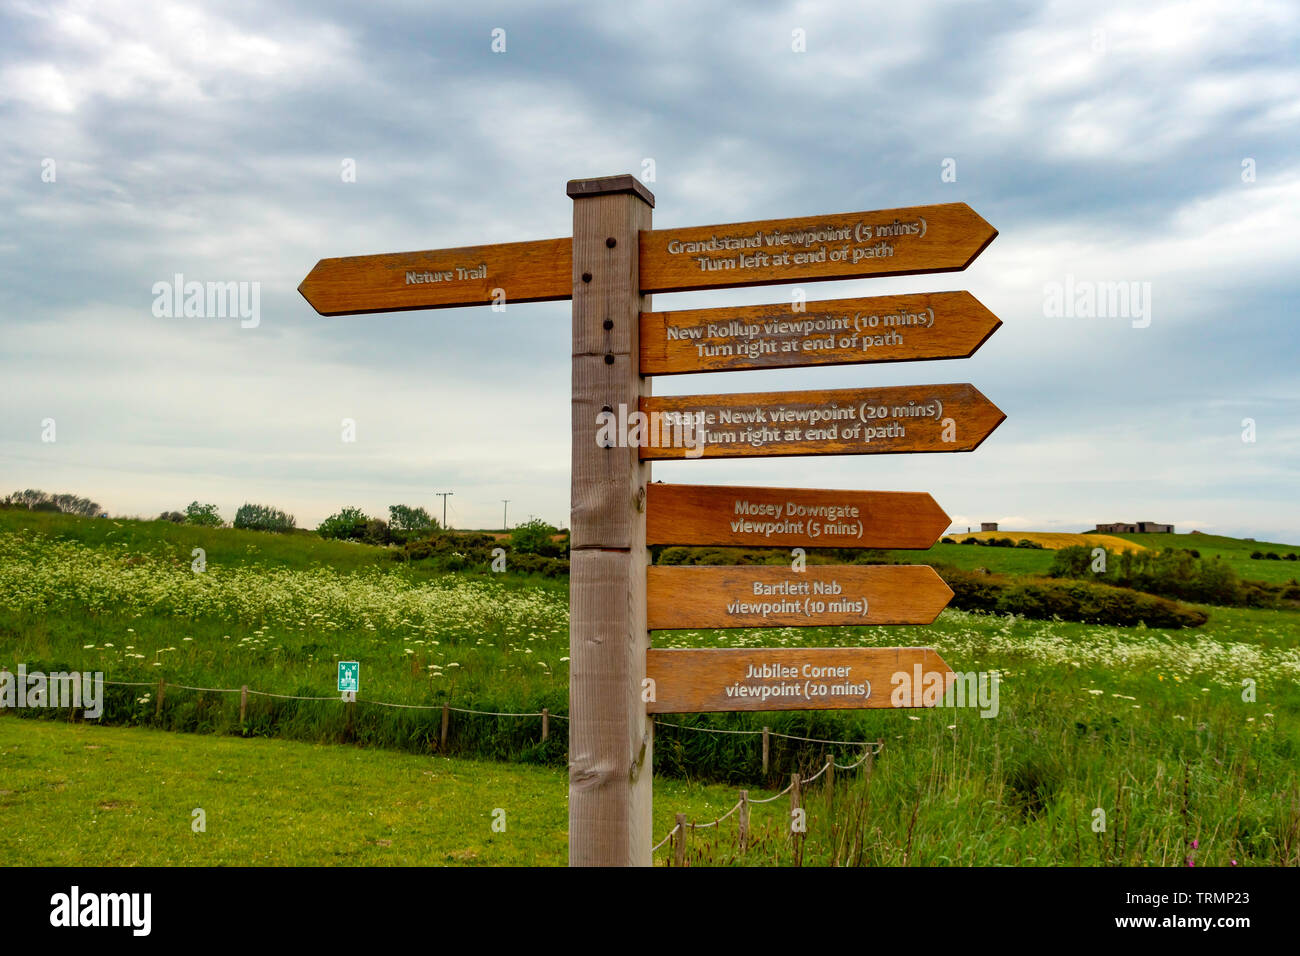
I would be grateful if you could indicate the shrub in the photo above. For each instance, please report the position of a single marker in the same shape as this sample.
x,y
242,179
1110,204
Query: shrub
x,y
406,523
175,517
33,499
1272,556
1256,555
1082,601
204,515
1026,543
376,532
263,518
971,541
347,525
948,541
1290,556
1172,573
535,537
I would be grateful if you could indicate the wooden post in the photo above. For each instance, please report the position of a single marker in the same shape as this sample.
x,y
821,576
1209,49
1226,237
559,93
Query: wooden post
x,y
766,749
610,735
162,691
679,841
546,723
442,737
243,703
830,774
744,820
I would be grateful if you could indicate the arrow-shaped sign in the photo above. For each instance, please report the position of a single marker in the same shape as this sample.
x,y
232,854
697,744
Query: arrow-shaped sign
x,y
791,517
943,238
681,598
696,681
891,328
845,421
507,272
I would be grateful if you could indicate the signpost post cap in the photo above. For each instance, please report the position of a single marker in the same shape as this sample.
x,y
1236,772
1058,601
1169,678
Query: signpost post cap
x,y
609,185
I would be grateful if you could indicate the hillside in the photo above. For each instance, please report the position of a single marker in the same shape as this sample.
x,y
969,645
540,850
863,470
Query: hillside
x,y
1236,551
1055,540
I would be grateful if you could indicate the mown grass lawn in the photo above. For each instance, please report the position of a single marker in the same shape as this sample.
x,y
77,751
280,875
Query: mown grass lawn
x,y
82,795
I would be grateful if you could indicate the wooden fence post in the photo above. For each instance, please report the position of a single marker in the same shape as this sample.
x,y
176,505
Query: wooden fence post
x,y
766,749
679,841
162,691
442,737
611,738
546,723
243,703
830,774
744,820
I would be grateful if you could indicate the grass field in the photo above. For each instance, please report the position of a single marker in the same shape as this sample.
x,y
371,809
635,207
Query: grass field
x,y
77,795
1182,735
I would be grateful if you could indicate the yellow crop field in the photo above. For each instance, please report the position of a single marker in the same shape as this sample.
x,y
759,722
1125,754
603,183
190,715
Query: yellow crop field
x,y
1055,540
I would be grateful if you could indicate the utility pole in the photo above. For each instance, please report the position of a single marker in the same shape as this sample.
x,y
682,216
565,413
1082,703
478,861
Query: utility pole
x,y
443,495
504,524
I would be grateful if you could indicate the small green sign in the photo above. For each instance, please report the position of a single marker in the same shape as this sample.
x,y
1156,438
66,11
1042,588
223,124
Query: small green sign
x,y
349,676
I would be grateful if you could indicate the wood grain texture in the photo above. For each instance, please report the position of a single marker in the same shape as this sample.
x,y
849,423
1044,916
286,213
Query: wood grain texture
x,y
696,681
610,737
903,241
791,517
537,271
682,598
849,421
891,328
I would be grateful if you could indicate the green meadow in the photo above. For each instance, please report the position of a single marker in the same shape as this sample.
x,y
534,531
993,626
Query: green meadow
x,y
1160,737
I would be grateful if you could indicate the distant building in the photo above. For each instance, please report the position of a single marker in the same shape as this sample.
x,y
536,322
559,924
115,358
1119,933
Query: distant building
x,y
1140,527
988,526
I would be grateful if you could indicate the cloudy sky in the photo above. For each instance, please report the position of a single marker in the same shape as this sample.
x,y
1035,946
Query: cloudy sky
x,y
1153,143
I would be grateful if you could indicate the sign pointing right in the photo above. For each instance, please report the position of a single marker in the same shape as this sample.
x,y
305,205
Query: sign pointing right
x,y
849,245
887,328
843,421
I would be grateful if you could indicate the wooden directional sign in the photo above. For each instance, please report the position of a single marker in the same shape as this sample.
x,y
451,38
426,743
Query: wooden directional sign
x,y
681,598
846,421
791,517
891,328
442,278
849,245
914,239
692,681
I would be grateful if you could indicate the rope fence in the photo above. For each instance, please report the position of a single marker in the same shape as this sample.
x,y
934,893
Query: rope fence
x,y
766,733
677,835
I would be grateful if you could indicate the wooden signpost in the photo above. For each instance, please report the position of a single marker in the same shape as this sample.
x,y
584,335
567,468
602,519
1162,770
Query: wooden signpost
x,y
817,596
791,517
788,678
891,328
844,421
609,267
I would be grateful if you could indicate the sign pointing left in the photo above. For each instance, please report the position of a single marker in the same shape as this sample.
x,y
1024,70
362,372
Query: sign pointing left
x,y
538,271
